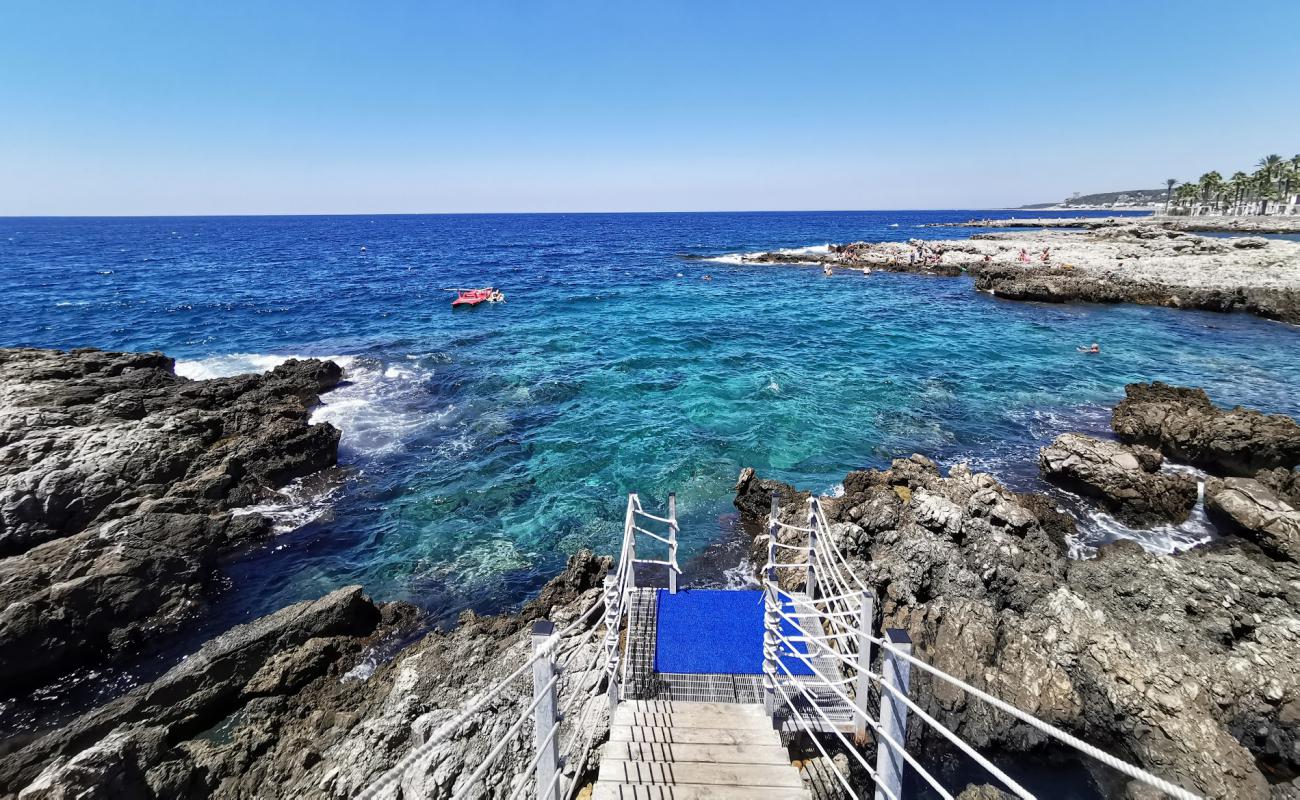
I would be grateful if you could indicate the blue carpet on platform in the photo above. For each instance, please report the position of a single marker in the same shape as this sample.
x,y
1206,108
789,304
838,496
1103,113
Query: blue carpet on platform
x,y
713,631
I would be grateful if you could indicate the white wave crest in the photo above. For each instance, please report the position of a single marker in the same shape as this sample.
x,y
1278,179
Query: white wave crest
x,y
202,369
794,252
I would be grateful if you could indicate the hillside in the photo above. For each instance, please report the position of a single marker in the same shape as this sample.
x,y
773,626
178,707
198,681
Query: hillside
x,y
1131,197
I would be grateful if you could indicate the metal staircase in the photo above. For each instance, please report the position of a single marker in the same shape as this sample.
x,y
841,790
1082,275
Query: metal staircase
x,y
829,679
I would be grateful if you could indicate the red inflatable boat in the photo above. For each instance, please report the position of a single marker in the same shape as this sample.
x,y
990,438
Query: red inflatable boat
x,y
472,297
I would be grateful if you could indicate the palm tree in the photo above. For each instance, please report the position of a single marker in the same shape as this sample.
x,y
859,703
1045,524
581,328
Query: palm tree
x,y
1186,195
1227,192
1264,189
1169,189
1268,166
1290,177
1210,183
1241,185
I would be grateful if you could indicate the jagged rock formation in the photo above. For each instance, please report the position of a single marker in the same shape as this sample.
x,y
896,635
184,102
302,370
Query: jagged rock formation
x,y
1254,511
1126,478
1186,426
1178,662
117,479
293,705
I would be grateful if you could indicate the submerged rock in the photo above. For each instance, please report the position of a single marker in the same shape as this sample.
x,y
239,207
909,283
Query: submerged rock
x,y
1186,426
117,478
1126,478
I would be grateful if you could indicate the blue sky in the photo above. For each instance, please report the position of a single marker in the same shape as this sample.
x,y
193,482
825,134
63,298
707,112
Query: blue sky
x,y
337,107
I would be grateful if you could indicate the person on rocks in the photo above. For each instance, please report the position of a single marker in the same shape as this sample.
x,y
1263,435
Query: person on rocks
x,y
1047,254
1024,256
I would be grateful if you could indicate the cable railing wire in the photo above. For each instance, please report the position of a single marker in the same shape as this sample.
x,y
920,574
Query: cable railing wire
x,y
831,609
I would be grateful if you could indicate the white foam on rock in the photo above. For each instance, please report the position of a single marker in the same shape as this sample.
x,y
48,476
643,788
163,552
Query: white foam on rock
x,y
794,252
225,366
381,407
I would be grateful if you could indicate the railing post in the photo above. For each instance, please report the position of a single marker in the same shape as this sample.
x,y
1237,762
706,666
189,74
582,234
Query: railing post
x,y
547,746
631,541
866,617
772,528
770,619
896,672
613,621
672,543
810,586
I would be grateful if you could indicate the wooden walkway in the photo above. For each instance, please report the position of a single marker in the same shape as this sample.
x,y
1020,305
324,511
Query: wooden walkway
x,y
669,750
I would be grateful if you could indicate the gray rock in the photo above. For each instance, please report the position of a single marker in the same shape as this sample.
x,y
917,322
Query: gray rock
x,y
1179,663
274,654
1186,426
301,704
1124,478
1254,511
116,479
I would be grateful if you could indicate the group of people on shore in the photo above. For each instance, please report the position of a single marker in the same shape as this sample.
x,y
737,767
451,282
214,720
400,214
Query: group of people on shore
x,y
924,254
1045,256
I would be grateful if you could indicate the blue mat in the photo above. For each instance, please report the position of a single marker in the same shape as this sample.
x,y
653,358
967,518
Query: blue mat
x,y
712,631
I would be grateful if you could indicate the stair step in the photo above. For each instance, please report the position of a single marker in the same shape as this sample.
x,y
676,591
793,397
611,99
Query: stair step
x,y
782,776
632,791
726,736
695,719
685,706
703,753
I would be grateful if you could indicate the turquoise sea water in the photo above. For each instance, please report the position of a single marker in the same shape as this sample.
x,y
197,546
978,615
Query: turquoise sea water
x,y
481,447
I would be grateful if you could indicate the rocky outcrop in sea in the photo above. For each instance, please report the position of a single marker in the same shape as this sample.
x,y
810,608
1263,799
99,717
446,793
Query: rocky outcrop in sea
x,y
119,489
1131,263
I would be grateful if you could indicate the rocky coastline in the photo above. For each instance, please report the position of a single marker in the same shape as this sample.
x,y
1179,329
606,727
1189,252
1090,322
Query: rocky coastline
x,y
322,697
318,699
1123,263
121,486
1202,224
1180,662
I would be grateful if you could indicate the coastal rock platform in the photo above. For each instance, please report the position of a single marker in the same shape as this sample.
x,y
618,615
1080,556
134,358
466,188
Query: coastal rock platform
x,y
118,486
1132,263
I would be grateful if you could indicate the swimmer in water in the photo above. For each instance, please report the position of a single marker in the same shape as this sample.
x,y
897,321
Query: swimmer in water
x,y
1095,348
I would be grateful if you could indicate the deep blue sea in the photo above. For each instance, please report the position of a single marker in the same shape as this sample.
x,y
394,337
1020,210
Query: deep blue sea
x,y
481,447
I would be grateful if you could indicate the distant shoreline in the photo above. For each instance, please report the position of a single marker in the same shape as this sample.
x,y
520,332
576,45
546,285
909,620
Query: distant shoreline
x,y
1134,261
1208,224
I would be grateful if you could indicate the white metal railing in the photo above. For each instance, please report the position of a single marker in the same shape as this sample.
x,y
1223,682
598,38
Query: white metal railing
x,y
558,761
833,618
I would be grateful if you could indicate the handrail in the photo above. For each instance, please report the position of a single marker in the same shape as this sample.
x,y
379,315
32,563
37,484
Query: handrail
x,y
560,648
837,614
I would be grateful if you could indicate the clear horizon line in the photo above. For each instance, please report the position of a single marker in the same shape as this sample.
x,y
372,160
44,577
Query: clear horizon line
x,y
518,213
